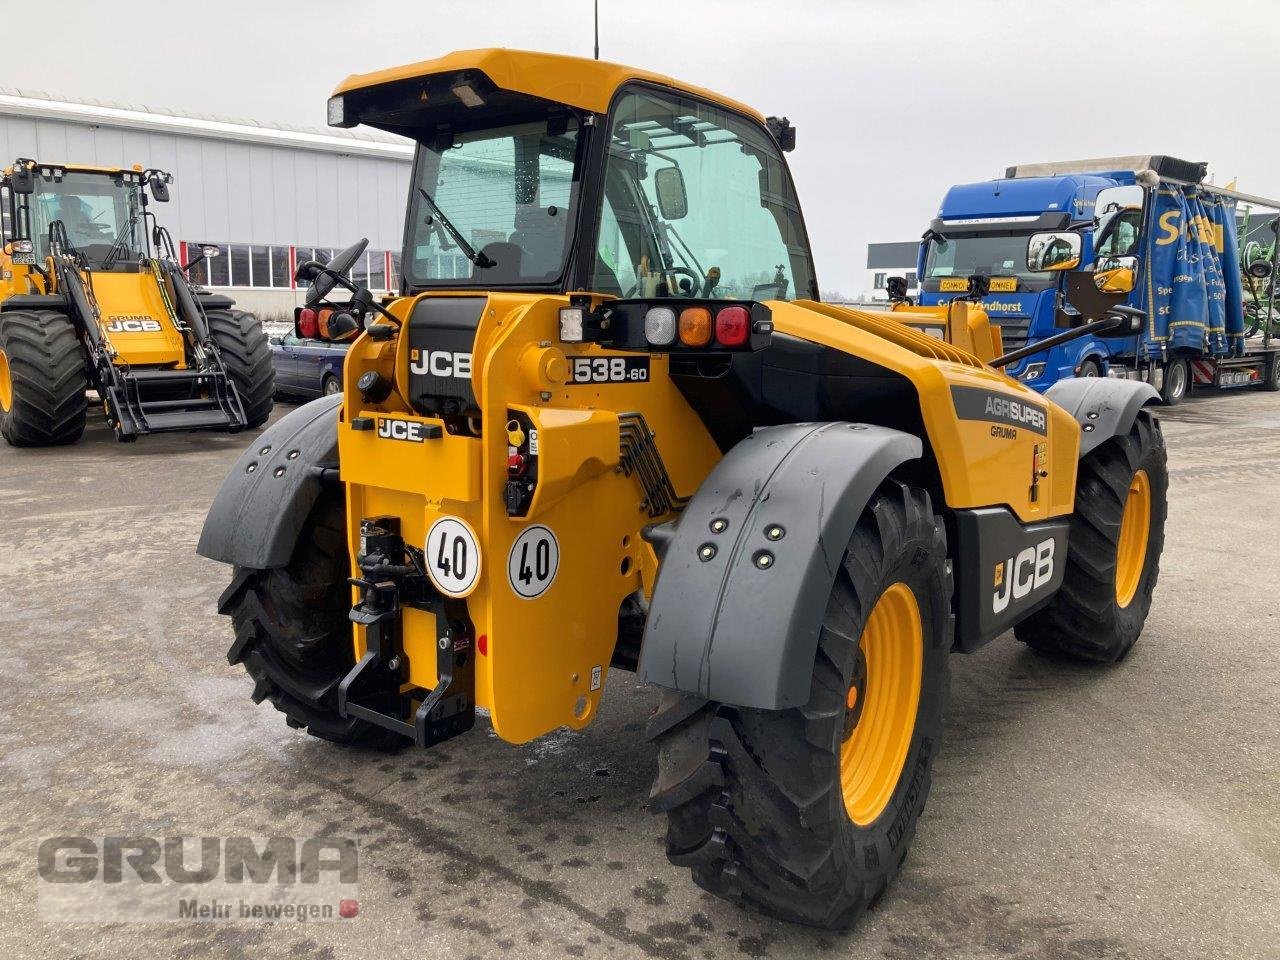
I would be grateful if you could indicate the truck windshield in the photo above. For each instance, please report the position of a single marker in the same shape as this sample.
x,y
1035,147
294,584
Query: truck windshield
x,y
1000,255
511,192
96,209
697,202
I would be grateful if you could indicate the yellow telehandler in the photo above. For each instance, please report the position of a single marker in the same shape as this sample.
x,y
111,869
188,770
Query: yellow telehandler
x,y
608,424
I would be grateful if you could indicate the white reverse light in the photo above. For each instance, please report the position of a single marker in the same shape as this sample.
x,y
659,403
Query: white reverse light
x,y
660,326
571,321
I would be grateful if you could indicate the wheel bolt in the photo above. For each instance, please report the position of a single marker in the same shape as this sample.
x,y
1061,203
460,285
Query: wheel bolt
x,y
706,552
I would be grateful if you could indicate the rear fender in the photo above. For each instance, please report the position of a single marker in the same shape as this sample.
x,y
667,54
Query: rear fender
x,y
731,627
1103,407
263,503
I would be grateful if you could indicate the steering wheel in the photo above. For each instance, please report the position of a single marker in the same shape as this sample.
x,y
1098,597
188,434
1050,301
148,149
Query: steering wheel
x,y
323,281
696,280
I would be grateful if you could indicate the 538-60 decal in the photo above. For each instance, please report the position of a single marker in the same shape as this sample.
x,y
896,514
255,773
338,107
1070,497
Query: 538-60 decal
x,y
609,370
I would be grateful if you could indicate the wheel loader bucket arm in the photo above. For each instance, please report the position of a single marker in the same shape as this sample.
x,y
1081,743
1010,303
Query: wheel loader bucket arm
x,y
744,580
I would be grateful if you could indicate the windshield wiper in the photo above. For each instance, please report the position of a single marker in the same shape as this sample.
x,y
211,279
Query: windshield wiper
x,y
117,246
468,251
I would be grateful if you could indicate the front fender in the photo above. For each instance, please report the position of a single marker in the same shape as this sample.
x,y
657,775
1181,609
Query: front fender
x,y
732,627
262,504
1103,407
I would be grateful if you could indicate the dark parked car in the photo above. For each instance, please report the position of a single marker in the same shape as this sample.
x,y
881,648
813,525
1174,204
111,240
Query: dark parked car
x,y
307,368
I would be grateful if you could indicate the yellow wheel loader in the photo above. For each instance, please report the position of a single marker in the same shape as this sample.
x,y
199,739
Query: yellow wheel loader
x,y
93,296
607,424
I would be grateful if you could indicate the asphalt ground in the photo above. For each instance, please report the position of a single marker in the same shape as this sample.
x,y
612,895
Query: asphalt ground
x,y
1077,811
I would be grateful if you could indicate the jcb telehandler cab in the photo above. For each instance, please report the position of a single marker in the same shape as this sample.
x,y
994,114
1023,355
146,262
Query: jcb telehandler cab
x,y
92,295
607,424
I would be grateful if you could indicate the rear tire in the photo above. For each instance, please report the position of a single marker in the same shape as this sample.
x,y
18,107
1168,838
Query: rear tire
x,y
293,635
1177,382
42,379
1106,594
246,353
330,386
1271,374
755,799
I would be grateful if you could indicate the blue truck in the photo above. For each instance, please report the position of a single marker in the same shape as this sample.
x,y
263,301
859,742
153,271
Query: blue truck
x,y
1048,238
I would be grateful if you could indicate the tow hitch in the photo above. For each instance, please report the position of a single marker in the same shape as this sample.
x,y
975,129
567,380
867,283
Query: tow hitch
x,y
377,688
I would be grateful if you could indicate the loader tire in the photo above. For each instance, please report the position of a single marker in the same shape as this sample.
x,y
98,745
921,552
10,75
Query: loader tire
x,y
293,635
806,813
42,379
1113,551
246,354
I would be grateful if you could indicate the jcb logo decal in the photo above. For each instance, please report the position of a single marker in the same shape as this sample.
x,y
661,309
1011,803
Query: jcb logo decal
x,y
409,430
440,363
133,325
1018,576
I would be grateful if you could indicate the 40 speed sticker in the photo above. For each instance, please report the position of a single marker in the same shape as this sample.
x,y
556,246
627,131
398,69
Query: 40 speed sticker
x,y
453,556
533,562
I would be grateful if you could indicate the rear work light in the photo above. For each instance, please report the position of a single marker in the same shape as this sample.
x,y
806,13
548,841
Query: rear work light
x,y
668,324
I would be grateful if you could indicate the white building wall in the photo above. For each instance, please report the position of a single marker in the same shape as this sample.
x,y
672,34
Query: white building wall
x,y
234,183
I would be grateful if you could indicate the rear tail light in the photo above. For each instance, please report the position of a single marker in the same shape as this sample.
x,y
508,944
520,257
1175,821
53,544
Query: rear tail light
x,y
672,325
308,324
733,326
660,326
695,326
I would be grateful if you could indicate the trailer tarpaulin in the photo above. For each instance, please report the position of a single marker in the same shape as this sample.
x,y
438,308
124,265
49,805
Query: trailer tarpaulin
x,y
1193,293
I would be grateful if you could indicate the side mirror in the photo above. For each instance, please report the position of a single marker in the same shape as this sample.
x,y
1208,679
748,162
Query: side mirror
x,y
324,277
159,189
1053,252
673,200
896,287
23,179
1125,321
1116,274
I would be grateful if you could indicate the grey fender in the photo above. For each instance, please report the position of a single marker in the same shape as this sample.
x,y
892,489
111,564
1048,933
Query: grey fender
x,y
260,509
1105,408
736,627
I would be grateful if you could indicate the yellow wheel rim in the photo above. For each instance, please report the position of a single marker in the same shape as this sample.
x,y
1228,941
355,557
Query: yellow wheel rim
x,y
1135,527
873,754
6,383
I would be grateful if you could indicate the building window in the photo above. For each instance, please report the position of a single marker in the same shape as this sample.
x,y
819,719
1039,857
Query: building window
x,y
378,270
219,267
260,266
280,276
911,279
239,264
393,282
878,283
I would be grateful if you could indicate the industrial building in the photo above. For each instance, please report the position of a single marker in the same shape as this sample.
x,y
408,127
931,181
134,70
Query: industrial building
x,y
885,260
268,197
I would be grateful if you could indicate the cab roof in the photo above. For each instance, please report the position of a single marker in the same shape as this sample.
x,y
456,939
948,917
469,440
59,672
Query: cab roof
x,y
576,81
84,168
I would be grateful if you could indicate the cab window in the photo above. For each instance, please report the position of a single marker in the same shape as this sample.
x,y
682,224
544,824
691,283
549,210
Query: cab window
x,y
697,202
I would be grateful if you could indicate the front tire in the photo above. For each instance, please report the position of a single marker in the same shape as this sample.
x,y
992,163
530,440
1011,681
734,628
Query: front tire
x,y
42,379
807,813
246,354
330,386
1089,368
293,635
1113,551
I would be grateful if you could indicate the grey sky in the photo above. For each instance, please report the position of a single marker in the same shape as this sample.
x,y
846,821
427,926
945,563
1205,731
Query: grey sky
x,y
893,101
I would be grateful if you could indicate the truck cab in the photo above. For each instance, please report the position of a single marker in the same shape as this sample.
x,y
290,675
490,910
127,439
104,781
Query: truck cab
x,y
984,229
